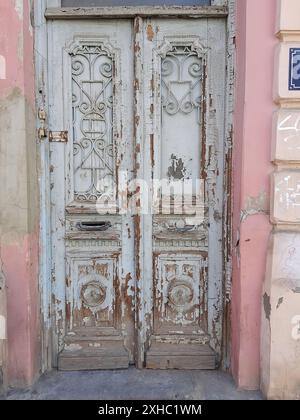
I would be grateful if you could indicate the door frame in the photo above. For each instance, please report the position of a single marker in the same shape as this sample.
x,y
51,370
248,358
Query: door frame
x,y
47,10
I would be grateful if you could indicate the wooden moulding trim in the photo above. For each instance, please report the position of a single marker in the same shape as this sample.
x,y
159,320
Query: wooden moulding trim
x,y
130,12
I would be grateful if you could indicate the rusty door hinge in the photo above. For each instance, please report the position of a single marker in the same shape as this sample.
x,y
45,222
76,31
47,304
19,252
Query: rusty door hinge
x,y
58,136
54,136
42,131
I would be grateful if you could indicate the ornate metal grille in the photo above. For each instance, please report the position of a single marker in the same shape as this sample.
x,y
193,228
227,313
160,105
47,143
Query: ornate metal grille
x,y
182,77
92,106
183,83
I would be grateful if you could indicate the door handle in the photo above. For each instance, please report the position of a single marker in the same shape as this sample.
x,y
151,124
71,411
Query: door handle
x,y
93,226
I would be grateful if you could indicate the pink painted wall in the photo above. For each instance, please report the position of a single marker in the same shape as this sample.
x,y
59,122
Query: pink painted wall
x,y
254,106
20,269
16,45
19,221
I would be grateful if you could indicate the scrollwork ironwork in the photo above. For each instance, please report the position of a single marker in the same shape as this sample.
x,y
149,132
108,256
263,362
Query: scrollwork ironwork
x,y
92,69
182,71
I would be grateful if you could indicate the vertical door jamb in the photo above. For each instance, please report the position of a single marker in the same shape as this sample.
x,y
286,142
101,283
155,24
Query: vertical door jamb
x,y
139,175
143,325
228,187
42,99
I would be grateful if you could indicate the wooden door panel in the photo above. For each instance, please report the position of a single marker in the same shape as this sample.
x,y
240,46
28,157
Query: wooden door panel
x,y
92,292
93,264
180,295
184,66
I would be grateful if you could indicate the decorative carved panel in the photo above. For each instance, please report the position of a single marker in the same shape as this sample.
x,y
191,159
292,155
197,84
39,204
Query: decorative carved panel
x,y
180,294
91,292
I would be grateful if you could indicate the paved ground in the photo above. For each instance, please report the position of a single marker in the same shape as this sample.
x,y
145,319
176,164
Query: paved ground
x,y
134,384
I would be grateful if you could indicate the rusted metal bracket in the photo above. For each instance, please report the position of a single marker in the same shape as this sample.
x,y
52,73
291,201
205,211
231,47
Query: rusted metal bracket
x,y
58,136
42,133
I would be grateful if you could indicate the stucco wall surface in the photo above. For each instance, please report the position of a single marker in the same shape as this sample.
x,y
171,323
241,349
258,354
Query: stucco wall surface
x,y
18,192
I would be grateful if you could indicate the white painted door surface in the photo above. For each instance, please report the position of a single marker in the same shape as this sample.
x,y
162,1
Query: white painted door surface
x,y
137,270
93,262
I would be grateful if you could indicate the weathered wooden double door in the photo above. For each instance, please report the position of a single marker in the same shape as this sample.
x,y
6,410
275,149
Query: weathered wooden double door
x,y
133,103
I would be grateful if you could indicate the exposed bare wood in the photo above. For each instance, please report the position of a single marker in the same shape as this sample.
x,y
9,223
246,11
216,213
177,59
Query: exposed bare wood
x,y
95,359
228,198
180,356
138,119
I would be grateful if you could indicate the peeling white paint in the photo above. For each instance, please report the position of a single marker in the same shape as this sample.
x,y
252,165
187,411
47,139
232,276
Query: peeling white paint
x,y
2,67
2,327
255,205
19,8
30,8
95,345
73,347
20,47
